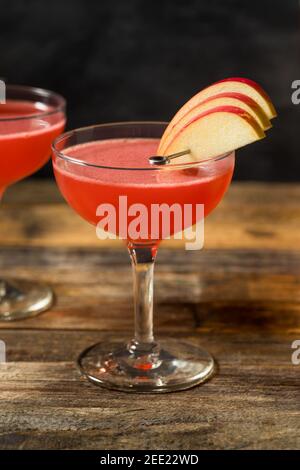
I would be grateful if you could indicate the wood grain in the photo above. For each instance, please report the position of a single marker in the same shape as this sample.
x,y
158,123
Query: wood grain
x,y
239,298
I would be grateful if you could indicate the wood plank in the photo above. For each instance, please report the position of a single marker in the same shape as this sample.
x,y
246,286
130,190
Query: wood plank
x,y
93,288
64,346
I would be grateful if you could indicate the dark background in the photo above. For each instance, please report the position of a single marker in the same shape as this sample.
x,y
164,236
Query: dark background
x,y
139,59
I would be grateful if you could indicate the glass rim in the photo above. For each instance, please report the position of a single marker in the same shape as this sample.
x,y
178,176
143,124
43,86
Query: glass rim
x,y
38,92
79,162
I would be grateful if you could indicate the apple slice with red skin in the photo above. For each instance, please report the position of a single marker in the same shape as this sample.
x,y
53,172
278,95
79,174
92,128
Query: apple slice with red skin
x,y
214,133
228,85
252,85
222,99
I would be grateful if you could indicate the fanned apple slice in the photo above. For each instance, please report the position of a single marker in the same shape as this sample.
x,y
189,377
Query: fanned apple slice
x,y
228,85
222,99
215,132
253,90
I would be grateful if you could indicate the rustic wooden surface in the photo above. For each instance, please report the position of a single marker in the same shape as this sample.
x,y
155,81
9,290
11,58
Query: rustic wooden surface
x,y
240,298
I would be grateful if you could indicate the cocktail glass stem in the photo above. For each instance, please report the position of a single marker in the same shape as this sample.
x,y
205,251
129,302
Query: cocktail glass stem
x,y
142,259
143,348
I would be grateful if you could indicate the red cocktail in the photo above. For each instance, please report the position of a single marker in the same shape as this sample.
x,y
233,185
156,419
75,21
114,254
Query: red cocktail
x,y
98,165
29,121
85,188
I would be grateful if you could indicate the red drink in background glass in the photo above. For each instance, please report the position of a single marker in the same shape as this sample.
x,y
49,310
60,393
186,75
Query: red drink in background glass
x,y
26,131
29,121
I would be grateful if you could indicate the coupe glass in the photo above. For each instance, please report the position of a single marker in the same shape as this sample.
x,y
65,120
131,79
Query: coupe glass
x,y
29,121
143,364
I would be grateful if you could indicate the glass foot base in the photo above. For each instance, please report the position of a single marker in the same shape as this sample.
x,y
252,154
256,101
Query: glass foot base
x,y
23,299
167,367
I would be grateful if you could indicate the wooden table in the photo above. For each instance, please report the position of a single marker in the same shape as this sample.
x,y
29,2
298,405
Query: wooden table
x,y
239,298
